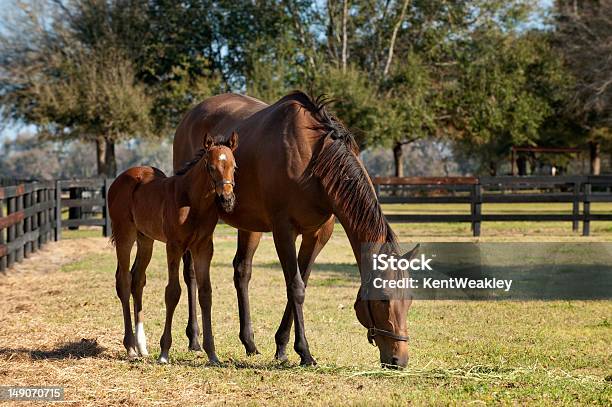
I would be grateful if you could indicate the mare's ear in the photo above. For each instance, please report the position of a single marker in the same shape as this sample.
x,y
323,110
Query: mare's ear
x,y
412,253
232,143
208,141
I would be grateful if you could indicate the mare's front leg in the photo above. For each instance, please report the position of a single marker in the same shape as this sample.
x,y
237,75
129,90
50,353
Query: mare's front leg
x,y
284,240
202,256
243,263
312,244
173,294
192,330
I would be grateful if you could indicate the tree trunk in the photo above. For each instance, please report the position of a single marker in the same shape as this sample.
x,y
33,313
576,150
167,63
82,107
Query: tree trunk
x,y
111,160
101,156
595,150
398,155
521,164
344,35
492,168
398,25
105,158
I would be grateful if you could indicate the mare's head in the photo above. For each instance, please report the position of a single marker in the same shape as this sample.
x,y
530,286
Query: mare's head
x,y
221,165
385,319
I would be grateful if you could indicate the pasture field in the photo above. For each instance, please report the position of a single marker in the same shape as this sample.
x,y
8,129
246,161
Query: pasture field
x,y
61,325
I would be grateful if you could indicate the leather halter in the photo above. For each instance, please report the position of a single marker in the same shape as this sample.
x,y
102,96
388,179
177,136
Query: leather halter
x,y
373,331
217,183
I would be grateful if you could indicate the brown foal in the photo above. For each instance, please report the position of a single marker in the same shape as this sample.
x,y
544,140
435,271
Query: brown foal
x,y
145,205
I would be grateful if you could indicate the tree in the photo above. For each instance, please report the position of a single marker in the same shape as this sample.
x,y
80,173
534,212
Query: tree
x,y
508,88
68,88
584,37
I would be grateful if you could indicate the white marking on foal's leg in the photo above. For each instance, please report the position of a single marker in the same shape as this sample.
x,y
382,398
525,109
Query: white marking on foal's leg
x,y
163,359
141,339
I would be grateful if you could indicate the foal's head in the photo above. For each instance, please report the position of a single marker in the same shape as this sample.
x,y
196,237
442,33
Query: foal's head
x,y
221,166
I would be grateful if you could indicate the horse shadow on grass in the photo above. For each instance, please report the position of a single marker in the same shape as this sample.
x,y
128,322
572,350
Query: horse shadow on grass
x,y
347,271
238,364
85,348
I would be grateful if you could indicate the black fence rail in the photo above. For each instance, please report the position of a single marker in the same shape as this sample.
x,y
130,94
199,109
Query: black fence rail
x,y
474,191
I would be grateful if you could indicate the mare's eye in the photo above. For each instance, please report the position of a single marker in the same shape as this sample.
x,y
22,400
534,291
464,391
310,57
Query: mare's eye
x,y
211,168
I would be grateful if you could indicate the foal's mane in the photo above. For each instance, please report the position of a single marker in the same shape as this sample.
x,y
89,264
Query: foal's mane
x,y
197,157
342,175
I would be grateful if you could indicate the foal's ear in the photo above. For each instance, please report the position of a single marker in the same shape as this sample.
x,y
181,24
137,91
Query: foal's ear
x,y
232,143
208,141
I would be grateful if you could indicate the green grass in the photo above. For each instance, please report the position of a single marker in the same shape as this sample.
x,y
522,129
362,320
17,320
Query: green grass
x,y
556,352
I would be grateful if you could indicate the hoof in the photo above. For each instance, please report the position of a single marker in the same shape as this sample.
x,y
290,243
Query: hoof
x,y
195,347
281,357
308,361
142,351
163,360
253,352
214,361
132,353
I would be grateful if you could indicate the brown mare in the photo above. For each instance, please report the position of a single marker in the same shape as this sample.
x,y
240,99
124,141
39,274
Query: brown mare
x,y
299,167
145,205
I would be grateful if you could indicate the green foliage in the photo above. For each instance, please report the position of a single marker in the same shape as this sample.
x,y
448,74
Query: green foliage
x,y
508,87
355,101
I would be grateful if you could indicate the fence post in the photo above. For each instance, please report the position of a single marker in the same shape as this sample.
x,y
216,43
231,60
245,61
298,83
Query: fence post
x,y
50,213
107,222
27,223
3,259
476,208
75,212
576,207
40,221
19,253
58,210
586,225
10,233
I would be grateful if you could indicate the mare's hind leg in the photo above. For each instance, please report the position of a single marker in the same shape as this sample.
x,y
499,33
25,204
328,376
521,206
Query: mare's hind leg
x,y
202,256
144,246
192,330
173,294
123,281
311,246
243,262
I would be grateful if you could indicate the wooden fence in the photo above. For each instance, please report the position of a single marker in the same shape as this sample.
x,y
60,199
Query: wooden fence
x,y
476,192
35,214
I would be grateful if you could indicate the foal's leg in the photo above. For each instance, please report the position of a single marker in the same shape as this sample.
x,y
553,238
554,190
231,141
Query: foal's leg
x,y
243,262
173,294
123,281
192,330
202,256
284,240
144,246
311,246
